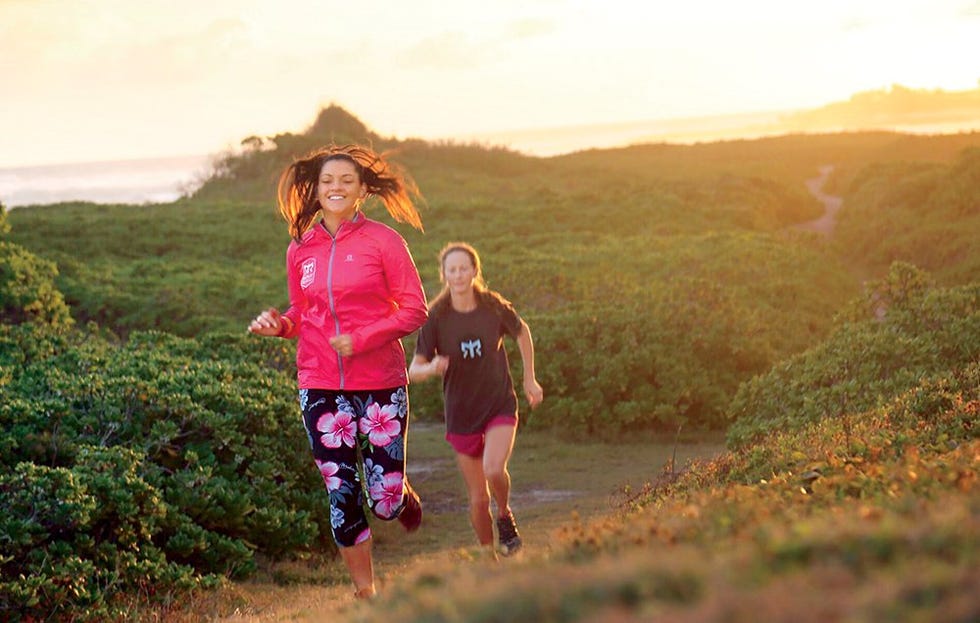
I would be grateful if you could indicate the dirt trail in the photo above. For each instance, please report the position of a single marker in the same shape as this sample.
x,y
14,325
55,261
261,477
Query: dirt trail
x,y
832,204
554,482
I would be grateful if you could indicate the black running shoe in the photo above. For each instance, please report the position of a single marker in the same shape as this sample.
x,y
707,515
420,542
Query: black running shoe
x,y
411,515
510,539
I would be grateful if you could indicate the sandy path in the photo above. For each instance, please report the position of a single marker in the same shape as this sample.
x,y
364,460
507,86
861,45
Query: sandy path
x,y
832,204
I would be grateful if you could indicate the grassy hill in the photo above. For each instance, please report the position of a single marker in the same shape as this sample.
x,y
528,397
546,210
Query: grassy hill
x,y
666,289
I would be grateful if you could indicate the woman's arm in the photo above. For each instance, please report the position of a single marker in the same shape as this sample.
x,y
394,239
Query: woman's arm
x,y
405,289
270,322
525,343
422,368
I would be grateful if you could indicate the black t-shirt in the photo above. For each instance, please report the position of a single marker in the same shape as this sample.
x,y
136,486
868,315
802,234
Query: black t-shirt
x,y
477,384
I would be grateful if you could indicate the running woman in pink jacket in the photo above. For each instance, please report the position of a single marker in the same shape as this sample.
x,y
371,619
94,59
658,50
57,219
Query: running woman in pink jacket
x,y
354,292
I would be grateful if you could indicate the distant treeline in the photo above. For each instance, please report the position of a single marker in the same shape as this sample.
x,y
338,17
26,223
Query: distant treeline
x,y
894,106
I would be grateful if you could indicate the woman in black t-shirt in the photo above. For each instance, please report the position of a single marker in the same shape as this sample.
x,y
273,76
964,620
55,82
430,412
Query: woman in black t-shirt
x,y
463,341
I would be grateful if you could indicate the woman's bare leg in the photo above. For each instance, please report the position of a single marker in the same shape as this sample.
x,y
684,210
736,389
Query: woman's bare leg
x,y
479,494
361,567
497,449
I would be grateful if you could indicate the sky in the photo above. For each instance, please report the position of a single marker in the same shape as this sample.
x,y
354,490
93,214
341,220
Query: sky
x,y
94,80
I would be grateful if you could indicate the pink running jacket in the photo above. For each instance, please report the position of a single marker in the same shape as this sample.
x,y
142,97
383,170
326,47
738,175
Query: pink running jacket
x,y
364,282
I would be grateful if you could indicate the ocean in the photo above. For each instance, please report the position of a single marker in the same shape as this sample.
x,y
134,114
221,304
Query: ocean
x,y
147,180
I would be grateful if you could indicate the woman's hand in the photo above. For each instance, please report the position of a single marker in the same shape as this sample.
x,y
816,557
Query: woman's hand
x,y
439,365
343,344
422,368
533,392
268,322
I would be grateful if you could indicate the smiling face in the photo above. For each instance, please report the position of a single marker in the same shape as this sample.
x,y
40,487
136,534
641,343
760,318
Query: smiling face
x,y
459,272
339,190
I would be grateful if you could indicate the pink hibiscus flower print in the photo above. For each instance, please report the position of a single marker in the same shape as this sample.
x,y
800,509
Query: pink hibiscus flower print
x,y
329,469
380,424
363,536
387,494
337,428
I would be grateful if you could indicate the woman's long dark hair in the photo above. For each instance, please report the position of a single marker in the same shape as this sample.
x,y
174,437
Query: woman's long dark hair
x,y
298,202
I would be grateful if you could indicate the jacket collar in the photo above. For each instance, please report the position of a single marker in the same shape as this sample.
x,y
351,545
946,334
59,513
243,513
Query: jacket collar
x,y
345,228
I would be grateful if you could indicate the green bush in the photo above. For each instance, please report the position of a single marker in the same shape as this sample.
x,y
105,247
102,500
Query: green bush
x,y
4,221
901,332
75,539
167,462
647,365
922,213
27,288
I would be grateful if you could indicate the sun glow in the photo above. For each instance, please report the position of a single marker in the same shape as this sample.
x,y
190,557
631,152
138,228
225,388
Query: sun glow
x,y
111,79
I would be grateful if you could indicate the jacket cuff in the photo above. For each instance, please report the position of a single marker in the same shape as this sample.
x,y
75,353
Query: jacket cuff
x,y
285,326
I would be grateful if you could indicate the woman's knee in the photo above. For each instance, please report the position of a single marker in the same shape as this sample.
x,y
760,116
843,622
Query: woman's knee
x,y
354,533
495,471
388,501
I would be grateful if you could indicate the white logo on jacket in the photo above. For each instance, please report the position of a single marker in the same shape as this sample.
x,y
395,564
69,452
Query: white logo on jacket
x,y
309,273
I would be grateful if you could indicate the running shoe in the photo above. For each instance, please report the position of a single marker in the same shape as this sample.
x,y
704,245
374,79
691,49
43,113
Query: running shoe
x,y
411,515
510,539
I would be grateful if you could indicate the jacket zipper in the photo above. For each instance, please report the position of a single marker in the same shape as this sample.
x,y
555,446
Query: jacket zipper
x,y
333,307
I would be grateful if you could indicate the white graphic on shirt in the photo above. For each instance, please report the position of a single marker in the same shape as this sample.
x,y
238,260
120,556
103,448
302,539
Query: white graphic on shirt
x,y
349,258
309,273
471,349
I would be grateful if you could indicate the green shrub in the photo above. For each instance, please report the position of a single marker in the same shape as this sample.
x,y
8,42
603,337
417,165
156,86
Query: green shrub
x,y
27,289
901,332
4,221
152,464
922,213
75,539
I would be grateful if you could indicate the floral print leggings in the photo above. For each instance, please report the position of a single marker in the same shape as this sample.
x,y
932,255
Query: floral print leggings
x,y
343,424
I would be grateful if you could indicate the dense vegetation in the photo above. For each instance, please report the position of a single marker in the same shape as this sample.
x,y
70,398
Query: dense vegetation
x,y
901,333
141,466
926,213
149,445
